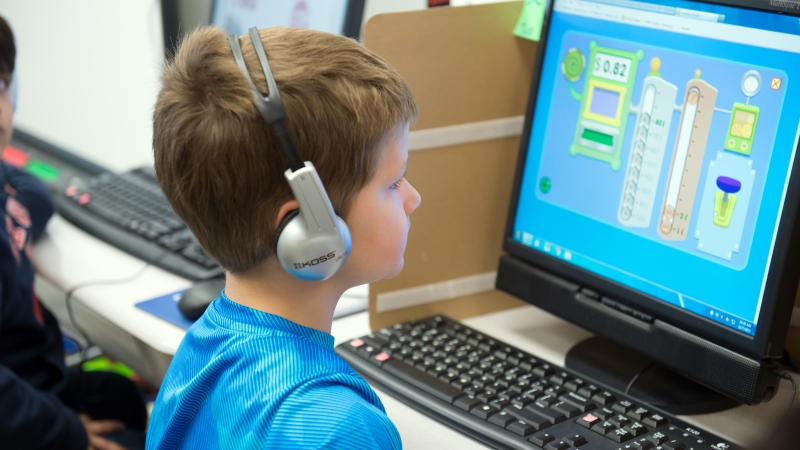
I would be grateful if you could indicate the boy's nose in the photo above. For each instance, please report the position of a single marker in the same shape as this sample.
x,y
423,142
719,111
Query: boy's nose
x,y
414,200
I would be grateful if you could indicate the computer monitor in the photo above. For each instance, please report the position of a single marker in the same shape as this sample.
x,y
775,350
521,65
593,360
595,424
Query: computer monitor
x,y
334,16
656,197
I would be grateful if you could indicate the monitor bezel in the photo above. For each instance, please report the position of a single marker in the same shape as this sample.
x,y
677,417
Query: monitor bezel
x,y
351,26
784,272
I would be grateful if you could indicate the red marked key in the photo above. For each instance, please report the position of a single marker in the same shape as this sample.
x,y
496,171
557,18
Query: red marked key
x,y
588,420
355,343
84,198
379,358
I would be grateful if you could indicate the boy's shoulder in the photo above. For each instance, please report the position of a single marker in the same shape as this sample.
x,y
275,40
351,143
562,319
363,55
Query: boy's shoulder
x,y
333,416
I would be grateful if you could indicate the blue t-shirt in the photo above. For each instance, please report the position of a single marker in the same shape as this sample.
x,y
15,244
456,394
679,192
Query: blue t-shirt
x,y
246,379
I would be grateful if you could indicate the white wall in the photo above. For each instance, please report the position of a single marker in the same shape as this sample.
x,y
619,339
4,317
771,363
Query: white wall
x,y
88,75
373,7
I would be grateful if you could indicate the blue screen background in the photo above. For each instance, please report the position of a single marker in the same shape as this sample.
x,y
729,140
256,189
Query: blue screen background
x,y
577,216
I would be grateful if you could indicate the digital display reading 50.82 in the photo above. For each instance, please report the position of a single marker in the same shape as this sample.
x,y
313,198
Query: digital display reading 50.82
x,y
611,67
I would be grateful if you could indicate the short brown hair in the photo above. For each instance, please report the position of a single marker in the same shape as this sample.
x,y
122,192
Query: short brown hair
x,y
8,50
219,164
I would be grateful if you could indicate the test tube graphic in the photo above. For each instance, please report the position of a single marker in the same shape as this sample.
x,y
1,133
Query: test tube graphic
x,y
646,155
687,159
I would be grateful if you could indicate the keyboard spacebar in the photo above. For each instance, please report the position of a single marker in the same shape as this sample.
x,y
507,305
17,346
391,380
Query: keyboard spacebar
x,y
421,380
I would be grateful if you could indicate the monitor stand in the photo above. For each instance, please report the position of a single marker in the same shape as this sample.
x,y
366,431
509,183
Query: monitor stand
x,y
615,366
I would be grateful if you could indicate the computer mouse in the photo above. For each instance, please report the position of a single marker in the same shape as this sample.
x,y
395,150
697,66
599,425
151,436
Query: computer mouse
x,y
196,299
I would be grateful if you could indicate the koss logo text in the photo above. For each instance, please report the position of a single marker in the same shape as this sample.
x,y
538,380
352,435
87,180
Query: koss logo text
x,y
315,261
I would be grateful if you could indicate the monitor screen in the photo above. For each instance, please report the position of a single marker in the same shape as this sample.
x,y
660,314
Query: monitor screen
x,y
662,141
237,16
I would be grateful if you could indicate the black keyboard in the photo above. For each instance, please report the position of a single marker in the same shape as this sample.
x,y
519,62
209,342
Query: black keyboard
x,y
129,211
507,398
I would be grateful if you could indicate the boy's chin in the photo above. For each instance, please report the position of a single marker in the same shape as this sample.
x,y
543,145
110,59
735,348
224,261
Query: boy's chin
x,y
396,270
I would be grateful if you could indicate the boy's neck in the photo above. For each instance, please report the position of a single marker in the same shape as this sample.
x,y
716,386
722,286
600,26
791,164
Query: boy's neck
x,y
270,289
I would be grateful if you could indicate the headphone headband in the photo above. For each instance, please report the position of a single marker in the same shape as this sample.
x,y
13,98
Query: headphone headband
x,y
271,107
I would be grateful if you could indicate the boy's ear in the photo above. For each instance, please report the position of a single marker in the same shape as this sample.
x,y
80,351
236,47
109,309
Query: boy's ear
x,y
286,208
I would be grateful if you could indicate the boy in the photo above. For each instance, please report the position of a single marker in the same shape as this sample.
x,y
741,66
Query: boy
x,y
258,370
42,406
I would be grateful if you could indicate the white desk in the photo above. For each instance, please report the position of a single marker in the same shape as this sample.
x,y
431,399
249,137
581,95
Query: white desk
x,y
67,257
106,284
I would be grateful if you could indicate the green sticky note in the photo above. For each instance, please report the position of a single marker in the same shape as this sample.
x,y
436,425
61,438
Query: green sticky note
x,y
529,25
42,170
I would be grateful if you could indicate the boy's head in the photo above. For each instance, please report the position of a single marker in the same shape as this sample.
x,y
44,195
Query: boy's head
x,y
8,54
220,165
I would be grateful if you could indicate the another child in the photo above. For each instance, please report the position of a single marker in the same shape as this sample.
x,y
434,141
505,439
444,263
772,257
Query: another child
x,y
42,405
258,370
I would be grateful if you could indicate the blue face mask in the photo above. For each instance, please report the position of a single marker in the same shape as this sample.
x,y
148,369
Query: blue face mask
x,y
14,90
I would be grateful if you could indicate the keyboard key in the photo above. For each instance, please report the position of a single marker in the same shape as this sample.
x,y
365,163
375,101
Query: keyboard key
x,y
500,403
462,382
636,429
560,378
528,364
604,398
619,435
548,413
502,419
566,408
521,401
604,413
557,445
619,420
658,438
367,351
437,370
581,402
622,406
642,444
575,440
603,427
588,420
547,400
520,386
448,377
574,385
521,428
483,411
467,403
655,421
421,380
555,390
535,420
355,344
486,395
543,370
673,445
541,439
379,359
588,391
373,340
639,413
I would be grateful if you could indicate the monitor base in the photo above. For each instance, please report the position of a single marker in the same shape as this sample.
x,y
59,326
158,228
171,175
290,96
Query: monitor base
x,y
615,366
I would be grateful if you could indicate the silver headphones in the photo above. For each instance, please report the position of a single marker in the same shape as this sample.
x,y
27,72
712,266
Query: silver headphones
x,y
312,243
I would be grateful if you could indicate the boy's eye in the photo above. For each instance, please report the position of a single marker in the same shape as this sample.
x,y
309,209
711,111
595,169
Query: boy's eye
x,y
3,84
396,184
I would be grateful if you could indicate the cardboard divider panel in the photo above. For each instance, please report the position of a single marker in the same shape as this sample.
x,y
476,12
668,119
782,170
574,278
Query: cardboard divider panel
x,y
464,65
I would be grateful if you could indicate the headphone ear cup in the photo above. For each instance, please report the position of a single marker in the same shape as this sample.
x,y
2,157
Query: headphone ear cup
x,y
312,257
282,226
